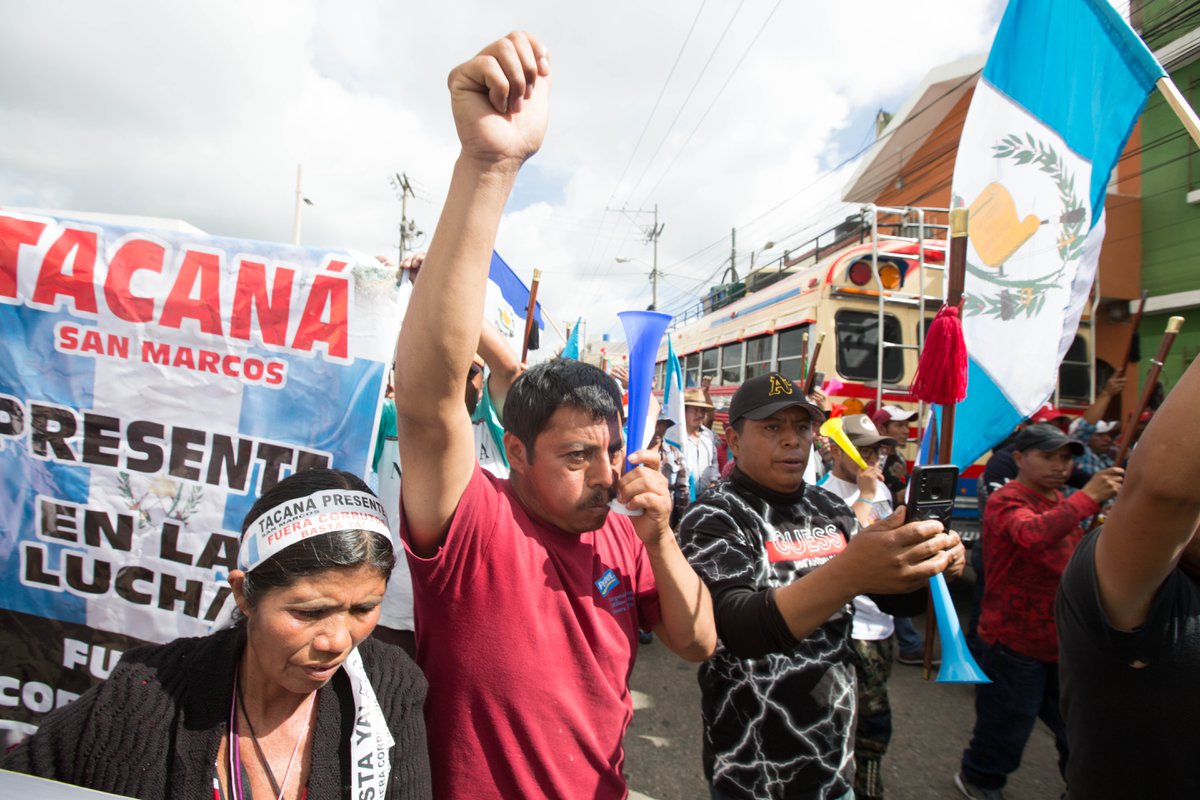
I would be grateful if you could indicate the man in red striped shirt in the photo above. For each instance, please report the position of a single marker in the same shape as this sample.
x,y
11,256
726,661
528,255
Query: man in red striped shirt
x,y
1032,532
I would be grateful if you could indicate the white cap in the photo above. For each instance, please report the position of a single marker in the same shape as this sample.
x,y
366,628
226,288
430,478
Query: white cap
x,y
898,414
1104,426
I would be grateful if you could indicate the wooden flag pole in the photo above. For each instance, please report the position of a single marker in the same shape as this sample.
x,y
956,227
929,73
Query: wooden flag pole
x,y
1175,99
804,357
1174,325
529,321
1135,323
956,274
811,375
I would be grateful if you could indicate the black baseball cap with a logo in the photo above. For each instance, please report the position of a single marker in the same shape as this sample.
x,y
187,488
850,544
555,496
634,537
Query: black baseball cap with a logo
x,y
759,398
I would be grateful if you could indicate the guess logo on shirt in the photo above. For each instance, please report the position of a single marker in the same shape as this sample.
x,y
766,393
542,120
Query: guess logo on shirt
x,y
801,544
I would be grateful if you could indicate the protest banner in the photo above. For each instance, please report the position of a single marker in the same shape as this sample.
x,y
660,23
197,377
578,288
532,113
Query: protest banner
x,y
152,384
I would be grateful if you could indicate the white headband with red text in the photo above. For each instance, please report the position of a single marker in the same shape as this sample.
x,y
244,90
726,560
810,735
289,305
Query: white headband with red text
x,y
294,520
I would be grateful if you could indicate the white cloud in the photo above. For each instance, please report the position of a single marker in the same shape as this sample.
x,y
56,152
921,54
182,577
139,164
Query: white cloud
x,y
202,110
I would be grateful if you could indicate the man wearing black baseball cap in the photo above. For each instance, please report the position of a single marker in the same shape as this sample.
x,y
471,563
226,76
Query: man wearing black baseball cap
x,y
778,558
1032,530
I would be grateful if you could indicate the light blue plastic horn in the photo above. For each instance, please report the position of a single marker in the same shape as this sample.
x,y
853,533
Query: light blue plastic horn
x,y
958,665
643,333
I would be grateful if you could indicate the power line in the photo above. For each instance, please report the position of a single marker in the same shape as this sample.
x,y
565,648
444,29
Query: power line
x,y
687,99
658,100
845,162
716,97
645,128
602,260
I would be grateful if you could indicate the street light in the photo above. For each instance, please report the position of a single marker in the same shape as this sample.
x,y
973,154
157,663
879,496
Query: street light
x,y
760,251
653,276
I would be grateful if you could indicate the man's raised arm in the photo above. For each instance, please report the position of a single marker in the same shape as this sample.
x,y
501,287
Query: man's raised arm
x,y
500,104
1154,518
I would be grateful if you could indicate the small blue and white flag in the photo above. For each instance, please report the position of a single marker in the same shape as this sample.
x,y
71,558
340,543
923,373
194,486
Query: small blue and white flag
x,y
1062,89
507,302
571,348
927,452
673,408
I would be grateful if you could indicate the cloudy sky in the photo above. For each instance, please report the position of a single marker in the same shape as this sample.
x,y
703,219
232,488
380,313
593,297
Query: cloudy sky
x,y
724,114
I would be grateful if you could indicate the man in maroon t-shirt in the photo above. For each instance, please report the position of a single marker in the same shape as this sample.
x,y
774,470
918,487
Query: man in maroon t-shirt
x,y
1032,531
528,593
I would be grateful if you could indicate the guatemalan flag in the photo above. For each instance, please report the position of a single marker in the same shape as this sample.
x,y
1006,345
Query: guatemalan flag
x,y
1062,89
508,301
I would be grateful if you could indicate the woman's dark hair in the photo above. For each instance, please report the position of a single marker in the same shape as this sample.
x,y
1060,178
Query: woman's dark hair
x,y
347,549
543,389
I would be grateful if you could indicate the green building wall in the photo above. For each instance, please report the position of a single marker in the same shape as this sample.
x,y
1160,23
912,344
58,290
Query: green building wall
x,y
1170,169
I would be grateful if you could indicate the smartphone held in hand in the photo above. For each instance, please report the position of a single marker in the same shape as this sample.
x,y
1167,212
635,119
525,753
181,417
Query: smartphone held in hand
x,y
931,493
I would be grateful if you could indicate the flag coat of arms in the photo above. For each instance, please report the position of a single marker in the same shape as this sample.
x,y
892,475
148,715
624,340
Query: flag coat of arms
x,y
1064,85
507,302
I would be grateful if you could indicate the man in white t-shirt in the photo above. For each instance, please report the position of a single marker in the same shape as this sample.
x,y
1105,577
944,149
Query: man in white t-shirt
x,y
867,495
700,443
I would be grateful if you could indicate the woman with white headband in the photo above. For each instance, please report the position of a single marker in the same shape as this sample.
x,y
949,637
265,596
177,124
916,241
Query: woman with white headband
x,y
293,701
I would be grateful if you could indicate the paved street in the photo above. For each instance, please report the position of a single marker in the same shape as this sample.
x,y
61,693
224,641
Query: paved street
x,y
932,725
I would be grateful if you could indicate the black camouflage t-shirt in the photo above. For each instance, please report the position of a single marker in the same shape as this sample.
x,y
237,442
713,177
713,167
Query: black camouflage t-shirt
x,y
779,726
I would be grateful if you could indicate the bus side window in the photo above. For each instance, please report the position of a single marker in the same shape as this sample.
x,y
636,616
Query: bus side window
x,y
691,370
758,356
858,343
708,365
731,364
789,351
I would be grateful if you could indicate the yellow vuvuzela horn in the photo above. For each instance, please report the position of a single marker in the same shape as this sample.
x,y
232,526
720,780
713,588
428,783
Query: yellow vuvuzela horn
x,y
834,429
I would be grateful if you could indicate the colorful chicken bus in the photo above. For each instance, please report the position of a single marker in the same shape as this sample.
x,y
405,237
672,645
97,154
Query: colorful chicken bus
x,y
880,270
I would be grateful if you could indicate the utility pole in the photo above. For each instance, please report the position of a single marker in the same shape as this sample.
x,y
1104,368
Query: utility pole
x,y
652,235
655,232
733,252
408,228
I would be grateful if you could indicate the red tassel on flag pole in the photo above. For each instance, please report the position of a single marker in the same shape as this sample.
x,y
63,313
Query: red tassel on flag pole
x,y
941,375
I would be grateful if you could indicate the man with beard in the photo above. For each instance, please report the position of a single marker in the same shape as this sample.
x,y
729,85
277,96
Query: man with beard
x,y
528,592
784,560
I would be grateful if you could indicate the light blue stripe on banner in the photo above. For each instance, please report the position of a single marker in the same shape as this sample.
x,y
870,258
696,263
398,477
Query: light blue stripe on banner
x,y
982,420
1078,67
513,289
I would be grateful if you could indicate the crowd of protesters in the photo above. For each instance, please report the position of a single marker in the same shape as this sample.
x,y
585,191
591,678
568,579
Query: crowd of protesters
x,y
534,566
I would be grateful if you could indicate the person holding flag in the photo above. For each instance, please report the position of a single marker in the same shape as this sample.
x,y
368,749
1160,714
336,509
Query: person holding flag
x,y
1032,531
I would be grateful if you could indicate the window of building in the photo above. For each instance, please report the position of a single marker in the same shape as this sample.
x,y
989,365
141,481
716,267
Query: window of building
x,y
789,351
731,364
858,346
1075,375
660,370
758,356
